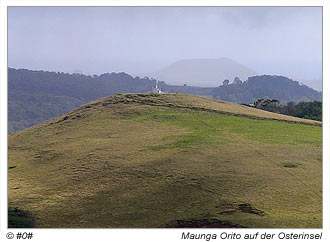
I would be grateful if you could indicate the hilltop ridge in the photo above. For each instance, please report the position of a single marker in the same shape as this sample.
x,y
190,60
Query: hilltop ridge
x,y
168,160
36,96
180,100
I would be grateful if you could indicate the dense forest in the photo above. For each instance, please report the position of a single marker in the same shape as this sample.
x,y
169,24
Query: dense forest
x,y
308,110
35,96
266,86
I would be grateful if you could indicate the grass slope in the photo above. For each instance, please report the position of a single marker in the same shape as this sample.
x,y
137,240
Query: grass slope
x,y
174,160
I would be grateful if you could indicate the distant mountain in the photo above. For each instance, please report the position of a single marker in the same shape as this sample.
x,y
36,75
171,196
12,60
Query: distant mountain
x,y
202,72
266,86
314,83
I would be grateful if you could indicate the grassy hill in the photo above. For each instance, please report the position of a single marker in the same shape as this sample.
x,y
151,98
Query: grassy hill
x,y
172,160
36,96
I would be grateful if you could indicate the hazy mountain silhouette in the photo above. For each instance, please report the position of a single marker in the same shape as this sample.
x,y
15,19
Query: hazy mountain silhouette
x,y
202,72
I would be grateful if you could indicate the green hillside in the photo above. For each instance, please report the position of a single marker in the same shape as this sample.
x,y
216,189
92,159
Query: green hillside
x,y
172,160
36,96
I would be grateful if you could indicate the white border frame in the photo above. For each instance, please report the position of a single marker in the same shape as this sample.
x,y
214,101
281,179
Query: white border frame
x,y
156,234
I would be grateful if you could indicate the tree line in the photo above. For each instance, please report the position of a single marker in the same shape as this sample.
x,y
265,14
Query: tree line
x,y
308,110
265,86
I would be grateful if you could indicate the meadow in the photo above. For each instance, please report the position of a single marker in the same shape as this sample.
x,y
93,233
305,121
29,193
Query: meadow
x,y
173,160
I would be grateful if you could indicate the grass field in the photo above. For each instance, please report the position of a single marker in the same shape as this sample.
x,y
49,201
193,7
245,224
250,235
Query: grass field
x,y
169,160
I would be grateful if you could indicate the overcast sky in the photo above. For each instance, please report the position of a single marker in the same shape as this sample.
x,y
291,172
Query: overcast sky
x,y
269,40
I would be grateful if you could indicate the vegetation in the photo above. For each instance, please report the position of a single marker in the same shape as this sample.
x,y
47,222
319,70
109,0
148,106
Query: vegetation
x,y
36,96
268,87
307,110
20,219
27,110
172,160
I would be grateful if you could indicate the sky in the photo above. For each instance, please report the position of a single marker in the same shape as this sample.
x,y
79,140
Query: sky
x,y
94,40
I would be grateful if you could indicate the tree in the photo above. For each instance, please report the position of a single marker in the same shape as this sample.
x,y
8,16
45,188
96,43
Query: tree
x,y
275,102
281,88
237,81
258,103
225,82
267,104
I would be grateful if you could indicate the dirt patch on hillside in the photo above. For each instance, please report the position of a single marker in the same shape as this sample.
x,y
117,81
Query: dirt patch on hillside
x,y
244,208
202,223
